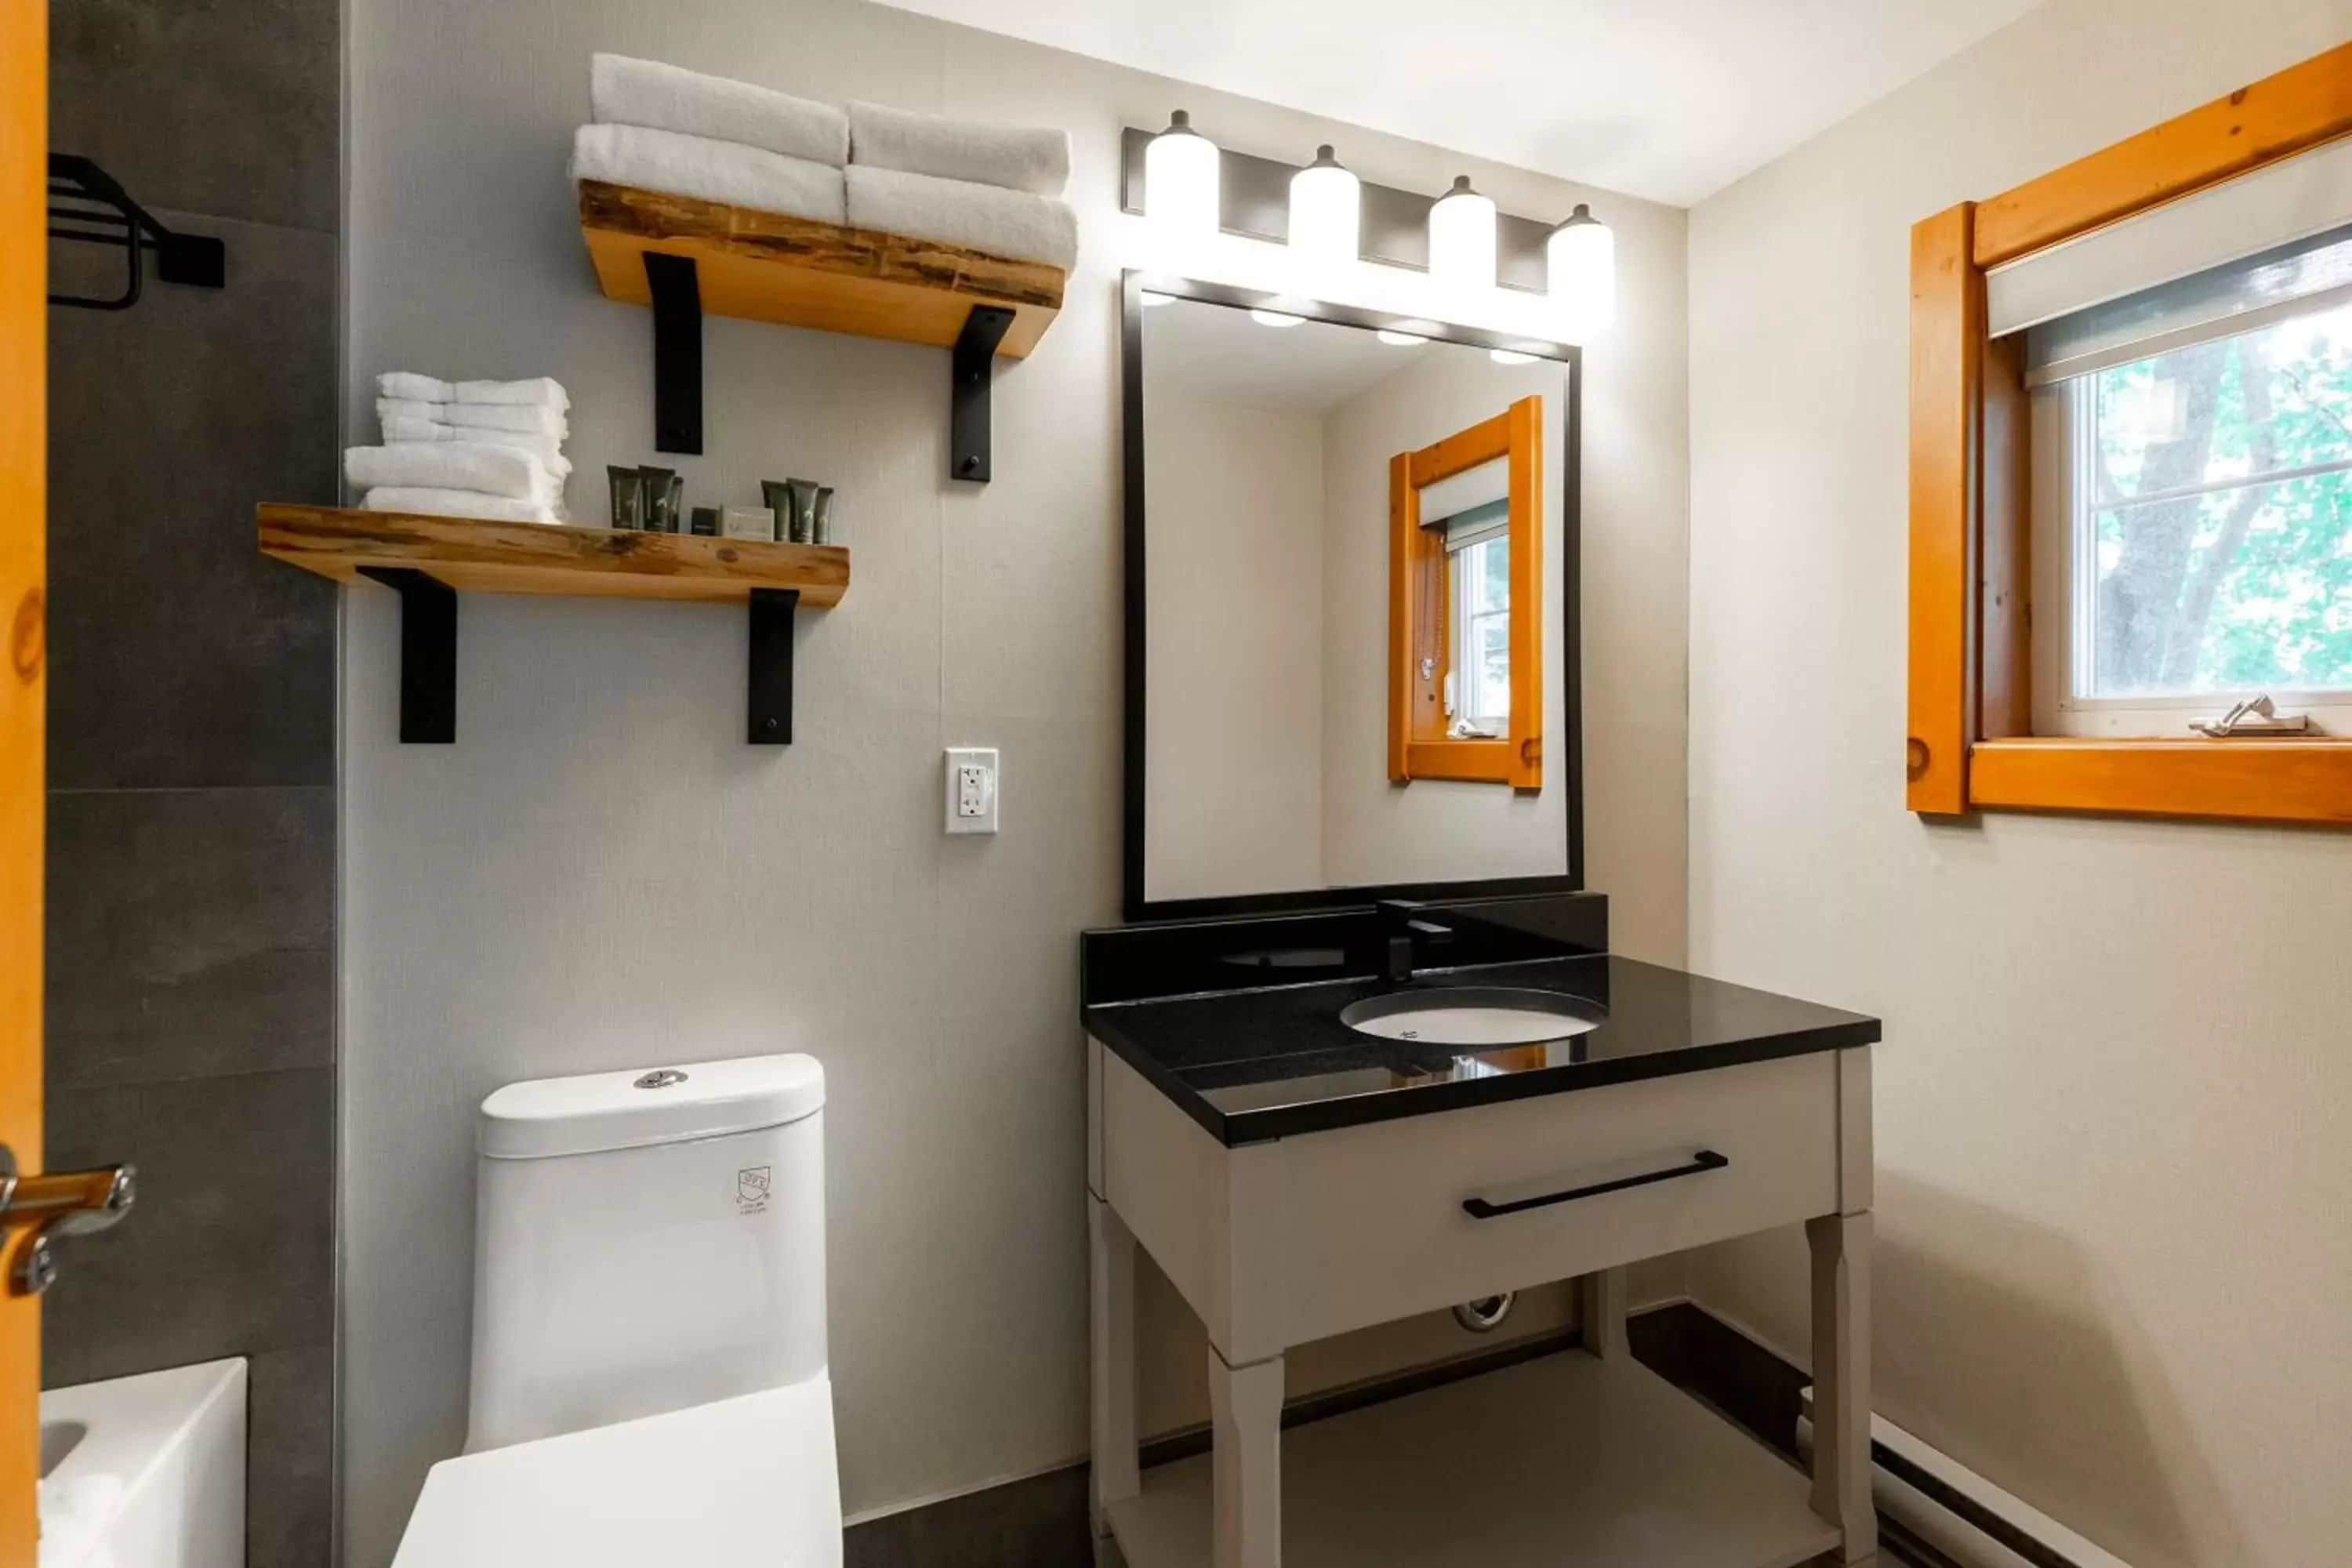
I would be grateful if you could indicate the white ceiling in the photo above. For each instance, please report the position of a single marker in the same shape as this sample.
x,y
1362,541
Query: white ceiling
x,y
1671,100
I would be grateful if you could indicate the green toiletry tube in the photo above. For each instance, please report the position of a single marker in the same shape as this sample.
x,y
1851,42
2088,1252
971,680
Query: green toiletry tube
x,y
803,499
821,517
628,496
778,495
665,489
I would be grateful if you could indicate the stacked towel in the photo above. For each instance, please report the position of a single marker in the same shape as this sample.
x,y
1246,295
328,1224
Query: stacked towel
x,y
996,188
468,448
990,187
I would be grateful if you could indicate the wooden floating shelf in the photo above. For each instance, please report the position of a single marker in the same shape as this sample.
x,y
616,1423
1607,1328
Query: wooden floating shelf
x,y
687,258
766,267
478,556
430,559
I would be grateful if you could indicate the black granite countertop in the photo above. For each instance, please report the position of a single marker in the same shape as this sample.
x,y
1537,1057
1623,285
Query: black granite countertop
x,y
1275,1062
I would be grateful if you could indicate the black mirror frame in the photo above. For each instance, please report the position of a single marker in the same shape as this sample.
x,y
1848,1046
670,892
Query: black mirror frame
x,y
1135,907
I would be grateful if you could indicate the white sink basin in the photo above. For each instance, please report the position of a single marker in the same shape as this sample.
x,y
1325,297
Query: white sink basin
x,y
1471,1015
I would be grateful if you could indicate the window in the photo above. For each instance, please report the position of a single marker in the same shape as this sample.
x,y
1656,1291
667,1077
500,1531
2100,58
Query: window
x,y
1465,545
2195,515
2127,494
1478,683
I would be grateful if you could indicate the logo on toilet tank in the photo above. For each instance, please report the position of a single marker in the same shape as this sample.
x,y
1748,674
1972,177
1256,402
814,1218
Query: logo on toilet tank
x,y
751,1190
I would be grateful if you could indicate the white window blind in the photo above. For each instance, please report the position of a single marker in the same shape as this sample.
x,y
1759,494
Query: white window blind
x,y
1465,493
2273,241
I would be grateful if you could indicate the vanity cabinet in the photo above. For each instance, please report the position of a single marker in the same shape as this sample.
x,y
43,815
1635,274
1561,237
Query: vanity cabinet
x,y
1450,1189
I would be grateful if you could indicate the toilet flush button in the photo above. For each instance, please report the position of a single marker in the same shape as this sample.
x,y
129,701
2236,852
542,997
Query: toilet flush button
x,y
668,1078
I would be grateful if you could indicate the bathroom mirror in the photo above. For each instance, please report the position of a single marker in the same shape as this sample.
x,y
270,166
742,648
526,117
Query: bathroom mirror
x,y
1351,602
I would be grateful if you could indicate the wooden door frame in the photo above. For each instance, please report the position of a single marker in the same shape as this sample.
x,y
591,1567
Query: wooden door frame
x,y
1971,745
24,529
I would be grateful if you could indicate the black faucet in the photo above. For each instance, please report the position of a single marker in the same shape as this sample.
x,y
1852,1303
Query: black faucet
x,y
1400,919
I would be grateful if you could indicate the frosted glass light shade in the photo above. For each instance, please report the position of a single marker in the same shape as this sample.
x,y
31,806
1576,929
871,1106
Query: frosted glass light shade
x,y
1327,213
1180,181
1461,237
1581,269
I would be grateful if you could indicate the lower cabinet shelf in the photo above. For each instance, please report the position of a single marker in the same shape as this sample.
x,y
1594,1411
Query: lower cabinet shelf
x,y
430,561
1567,1461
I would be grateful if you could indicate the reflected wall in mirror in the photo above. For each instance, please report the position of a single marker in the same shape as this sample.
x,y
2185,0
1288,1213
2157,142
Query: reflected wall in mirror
x,y
1357,659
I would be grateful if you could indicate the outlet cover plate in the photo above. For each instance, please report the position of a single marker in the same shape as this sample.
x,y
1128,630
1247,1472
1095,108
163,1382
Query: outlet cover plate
x,y
971,789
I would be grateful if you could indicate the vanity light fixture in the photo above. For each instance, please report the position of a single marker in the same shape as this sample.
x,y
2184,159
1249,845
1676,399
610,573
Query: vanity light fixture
x,y
1151,298
1581,269
1397,339
1462,238
1327,213
1275,318
1510,357
1180,181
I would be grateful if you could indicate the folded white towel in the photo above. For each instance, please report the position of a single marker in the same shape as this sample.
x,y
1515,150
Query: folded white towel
x,y
1018,159
533,418
402,427
407,386
622,91
454,466
435,502
1012,223
724,172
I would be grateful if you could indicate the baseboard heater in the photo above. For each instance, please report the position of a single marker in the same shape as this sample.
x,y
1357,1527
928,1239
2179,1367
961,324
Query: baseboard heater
x,y
1945,1515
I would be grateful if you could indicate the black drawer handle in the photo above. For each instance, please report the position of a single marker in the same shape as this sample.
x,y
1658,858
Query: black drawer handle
x,y
1702,1161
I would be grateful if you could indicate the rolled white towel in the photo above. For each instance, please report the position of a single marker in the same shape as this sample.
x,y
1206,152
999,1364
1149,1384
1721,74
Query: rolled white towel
x,y
533,418
724,172
434,502
622,91
454,466
1012,223
402,427
1018,159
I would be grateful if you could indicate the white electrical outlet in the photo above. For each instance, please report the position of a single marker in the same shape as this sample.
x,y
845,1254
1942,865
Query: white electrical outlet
x,y
971,789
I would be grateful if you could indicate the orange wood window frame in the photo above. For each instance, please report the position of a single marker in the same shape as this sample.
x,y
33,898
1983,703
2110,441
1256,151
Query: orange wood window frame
x,y
1971,744
1421,599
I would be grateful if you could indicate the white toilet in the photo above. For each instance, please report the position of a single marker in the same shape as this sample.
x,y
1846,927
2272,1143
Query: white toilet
x,y
649,1378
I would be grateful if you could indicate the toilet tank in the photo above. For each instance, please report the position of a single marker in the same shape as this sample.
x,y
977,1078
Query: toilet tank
x,y
644,1241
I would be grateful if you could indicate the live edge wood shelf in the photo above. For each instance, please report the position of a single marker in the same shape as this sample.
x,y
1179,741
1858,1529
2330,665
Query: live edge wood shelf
x,y
686,257
431,559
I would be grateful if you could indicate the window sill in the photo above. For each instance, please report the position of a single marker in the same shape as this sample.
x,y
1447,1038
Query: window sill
x,y
1477,762
2243,780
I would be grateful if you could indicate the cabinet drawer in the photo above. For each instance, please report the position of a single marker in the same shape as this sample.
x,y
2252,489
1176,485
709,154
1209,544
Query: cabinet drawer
x,y
1371,1222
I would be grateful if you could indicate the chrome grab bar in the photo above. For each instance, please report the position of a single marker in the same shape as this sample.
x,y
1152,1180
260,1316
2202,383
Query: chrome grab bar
x,y
58,1203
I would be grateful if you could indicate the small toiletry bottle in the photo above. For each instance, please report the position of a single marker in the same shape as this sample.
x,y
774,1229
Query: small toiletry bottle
x,y
803,494
821,517
628,496
705,522
777,493
664,489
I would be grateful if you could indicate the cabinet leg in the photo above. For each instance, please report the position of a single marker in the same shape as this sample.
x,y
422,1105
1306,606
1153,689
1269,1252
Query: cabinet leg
x,y
1840,1248
1246,1406
1601,1312
1114,1468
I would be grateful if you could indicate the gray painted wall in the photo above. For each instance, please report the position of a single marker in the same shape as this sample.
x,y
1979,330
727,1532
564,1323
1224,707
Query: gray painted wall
x,y
2112,1105
191,766
600,873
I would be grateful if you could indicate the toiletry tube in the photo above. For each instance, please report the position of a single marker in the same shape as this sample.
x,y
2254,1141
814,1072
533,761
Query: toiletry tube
x,y
705,522
748,522
628,496
821,517
803,499
778,496
663,490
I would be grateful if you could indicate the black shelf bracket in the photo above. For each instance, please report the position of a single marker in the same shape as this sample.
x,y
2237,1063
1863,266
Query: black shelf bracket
x,y
676,292
972,371
87,205
429,654
770,685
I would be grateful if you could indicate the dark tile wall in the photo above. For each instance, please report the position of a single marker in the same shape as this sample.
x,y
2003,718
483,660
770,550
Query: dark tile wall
x,y
192,799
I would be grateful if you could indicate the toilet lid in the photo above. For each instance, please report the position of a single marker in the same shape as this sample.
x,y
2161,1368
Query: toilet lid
x,y
747,1481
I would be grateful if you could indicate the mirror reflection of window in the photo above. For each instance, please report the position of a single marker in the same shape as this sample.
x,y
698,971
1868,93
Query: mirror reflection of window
x,y
1478,674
